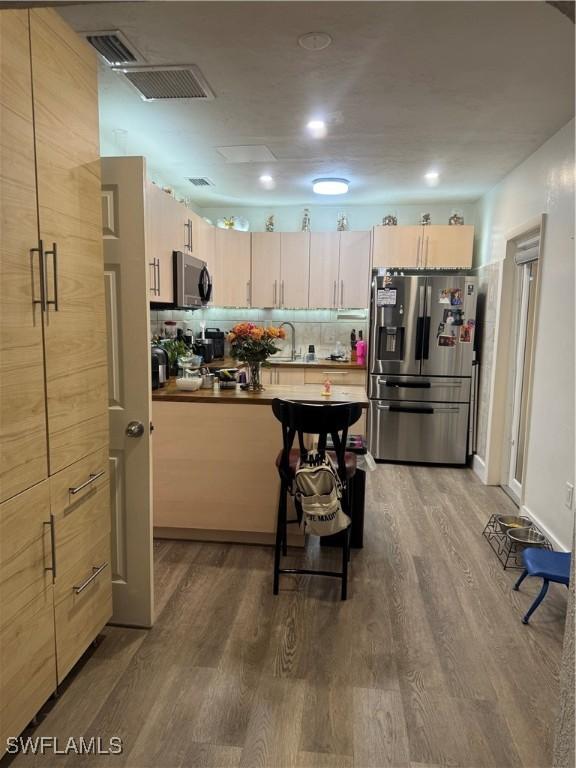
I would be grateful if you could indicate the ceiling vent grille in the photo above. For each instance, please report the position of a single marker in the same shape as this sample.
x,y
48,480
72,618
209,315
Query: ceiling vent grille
x,y
168,82
200,181
113,47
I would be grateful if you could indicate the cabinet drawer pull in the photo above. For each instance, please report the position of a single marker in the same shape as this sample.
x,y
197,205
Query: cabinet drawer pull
x,y
91,479
54,254
52,567
96,571
40,252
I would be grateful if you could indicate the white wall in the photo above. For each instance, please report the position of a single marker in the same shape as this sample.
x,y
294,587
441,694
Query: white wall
x,y
288,218
544,183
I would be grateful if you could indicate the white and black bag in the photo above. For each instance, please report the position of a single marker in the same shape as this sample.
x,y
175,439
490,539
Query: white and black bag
x,y
318,491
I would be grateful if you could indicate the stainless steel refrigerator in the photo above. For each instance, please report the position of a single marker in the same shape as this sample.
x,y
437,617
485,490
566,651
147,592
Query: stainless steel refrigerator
x,y
421,344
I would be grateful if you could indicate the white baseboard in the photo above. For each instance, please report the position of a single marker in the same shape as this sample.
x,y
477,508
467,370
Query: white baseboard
x,y
479,467
545,530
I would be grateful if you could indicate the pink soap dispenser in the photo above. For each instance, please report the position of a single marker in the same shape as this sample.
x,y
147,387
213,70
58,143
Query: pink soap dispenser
x,y
361,352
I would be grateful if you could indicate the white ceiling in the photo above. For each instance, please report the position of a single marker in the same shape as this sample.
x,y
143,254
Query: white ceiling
x,y
467,88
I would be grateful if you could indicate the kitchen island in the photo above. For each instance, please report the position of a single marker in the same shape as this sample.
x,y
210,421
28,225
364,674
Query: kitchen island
x,y
214,472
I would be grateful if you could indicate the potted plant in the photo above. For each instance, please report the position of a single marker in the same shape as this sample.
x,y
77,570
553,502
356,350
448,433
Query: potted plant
x,y
253,345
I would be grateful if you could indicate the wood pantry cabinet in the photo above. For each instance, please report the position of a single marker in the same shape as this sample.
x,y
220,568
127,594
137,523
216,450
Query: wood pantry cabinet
x,y
54,595
417,247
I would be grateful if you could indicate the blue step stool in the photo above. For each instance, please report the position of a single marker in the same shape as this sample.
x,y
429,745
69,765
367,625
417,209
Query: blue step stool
x,y
547,565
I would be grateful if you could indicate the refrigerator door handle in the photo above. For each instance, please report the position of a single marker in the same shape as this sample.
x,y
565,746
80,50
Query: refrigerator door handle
x,y
407,384
427,319
426,410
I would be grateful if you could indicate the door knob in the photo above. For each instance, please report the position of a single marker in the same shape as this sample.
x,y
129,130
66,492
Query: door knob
x,y
135,429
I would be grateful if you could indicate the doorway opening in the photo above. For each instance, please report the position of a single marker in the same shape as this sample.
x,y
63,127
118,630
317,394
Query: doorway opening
x,y
525,253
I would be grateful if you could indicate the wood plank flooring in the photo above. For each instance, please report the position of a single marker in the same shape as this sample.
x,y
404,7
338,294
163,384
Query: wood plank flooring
x,y
427,664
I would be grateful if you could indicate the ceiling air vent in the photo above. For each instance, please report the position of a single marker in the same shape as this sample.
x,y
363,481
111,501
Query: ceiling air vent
x,y
113,47
200,181
183,81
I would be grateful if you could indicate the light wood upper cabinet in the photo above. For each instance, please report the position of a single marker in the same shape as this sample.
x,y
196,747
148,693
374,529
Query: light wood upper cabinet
x,y
23,446
232,273
64,78
418,247
27,643
266,269
354,273
294,270
397,246
324,264
448,246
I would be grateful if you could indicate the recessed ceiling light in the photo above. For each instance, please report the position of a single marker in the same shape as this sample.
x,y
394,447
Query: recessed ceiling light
x,y
432,177
267,181
317,128
315,41
330,186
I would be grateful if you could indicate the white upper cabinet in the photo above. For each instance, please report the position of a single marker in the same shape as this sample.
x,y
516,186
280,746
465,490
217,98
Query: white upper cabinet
x,y
418,247
295,270
232,268
266,277
448,246
354,273
324,262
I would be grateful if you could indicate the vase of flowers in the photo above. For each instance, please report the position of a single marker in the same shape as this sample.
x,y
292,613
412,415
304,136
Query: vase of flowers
x,y
253,345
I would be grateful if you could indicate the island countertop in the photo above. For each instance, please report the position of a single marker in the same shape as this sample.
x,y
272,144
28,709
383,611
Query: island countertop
x,y
280,362
304,393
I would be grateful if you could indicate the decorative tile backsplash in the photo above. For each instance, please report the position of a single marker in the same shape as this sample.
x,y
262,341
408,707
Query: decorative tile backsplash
x,y
320,327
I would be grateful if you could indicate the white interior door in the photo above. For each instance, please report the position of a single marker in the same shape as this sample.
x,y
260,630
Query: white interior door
x,y
519,380
127,307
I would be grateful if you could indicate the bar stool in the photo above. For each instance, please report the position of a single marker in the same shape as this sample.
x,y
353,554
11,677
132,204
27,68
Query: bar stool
x,y
299,419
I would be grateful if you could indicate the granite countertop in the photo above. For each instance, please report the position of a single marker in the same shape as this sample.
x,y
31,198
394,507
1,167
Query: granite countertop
x,y
350,365
304,393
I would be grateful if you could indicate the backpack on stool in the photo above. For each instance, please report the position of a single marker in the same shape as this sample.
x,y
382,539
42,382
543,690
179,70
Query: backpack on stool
x,y
318,491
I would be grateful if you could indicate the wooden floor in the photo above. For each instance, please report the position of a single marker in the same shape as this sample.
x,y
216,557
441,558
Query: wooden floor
x,y
426,664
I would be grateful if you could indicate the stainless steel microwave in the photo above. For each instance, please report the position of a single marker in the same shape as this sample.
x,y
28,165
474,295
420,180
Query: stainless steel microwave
x,y
192,282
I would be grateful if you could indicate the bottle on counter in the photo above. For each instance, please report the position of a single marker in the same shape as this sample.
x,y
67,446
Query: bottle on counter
x,y
327,388
353,345
361,352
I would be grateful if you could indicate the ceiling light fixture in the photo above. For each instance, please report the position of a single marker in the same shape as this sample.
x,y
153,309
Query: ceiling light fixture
x,y
267,181
330,186
314,41
317,129
432,178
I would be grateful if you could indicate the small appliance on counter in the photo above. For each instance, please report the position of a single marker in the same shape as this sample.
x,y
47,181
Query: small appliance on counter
x,y
160,366
217,336
204,348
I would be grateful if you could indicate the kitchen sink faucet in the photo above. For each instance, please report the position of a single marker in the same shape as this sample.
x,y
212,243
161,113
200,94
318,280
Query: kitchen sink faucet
x,y
293,350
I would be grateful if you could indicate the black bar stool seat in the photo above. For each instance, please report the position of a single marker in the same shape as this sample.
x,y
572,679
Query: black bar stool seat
x,y
324,420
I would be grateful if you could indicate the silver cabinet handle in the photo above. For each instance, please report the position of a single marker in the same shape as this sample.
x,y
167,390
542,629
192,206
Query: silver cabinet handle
x,y
92,478
135,429
158,269
426,257
282,293
40,252
418,251
334,296
54,254
153,286
52,567
341,293
248,292
96,571
275,291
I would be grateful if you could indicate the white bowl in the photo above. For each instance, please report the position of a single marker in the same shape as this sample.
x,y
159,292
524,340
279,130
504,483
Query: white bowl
x,y
191,383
